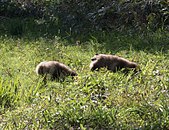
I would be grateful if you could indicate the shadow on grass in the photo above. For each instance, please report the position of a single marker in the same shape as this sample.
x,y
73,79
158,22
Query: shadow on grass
x,y
112,41
139,41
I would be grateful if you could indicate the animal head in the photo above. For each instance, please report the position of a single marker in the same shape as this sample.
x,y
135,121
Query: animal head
x,y
97,61
40,68
73,73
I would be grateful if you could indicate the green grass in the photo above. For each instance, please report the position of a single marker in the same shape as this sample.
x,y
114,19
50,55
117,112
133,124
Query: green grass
x,y
132,102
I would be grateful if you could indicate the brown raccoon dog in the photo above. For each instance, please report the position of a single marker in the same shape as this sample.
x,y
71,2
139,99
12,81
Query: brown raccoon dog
x,y
111,62
55,69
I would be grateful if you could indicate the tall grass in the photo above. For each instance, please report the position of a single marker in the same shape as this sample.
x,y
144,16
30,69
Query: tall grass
x,y
93,100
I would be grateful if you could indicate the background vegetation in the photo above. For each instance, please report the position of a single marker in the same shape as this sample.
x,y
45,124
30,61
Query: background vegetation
x,y
82,16
33,31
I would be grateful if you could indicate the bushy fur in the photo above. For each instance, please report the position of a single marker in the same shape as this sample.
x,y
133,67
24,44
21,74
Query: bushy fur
x,y
111,62
55,69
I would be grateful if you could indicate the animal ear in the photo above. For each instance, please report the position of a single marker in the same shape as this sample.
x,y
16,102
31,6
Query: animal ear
x,y
96,54
93,59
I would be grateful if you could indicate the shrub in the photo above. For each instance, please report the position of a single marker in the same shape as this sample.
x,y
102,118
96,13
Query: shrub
x,y
84,15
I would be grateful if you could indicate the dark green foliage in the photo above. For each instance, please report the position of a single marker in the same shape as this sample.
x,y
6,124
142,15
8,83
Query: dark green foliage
x,y
81,16
115,14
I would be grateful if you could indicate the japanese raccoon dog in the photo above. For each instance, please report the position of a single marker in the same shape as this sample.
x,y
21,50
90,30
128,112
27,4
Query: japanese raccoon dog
x,y
55,69
111,62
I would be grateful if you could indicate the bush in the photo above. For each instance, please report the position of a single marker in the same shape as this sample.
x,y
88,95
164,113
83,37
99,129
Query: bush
x,y
83,15
109,14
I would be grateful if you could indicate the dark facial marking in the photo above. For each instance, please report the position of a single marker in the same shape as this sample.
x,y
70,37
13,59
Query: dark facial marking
x,y
93,59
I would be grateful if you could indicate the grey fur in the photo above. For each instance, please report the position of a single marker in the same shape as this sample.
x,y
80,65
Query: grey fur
x,y
111,62
55,69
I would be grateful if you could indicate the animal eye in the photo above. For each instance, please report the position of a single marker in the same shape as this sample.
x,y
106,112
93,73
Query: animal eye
x,y
93,59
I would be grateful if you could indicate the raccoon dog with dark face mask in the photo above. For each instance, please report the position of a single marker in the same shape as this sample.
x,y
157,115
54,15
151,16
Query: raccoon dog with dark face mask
x,y
55,69
111,62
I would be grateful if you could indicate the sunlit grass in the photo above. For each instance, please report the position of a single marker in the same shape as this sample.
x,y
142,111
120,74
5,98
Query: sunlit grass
x,y
93,100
